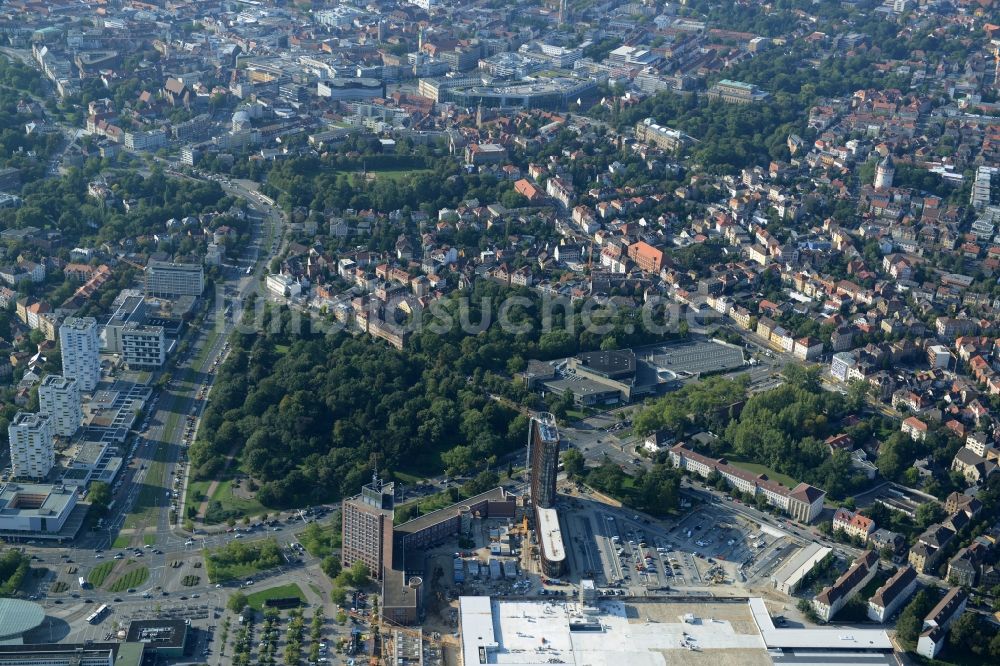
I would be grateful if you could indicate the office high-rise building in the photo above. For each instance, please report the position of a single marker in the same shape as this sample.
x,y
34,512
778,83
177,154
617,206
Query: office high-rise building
x,y
367,527
59,399
31,451
80,345
543,459
166,278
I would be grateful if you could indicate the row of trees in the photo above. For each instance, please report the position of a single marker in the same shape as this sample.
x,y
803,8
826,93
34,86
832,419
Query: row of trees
x,y
14,566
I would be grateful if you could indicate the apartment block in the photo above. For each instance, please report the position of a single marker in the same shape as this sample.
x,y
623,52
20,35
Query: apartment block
x,y
143,346
939,620
59,399
803,502
31,452
893,594
829,601
80,346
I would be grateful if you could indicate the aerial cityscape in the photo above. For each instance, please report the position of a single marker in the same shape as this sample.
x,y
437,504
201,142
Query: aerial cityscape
x,y
436,333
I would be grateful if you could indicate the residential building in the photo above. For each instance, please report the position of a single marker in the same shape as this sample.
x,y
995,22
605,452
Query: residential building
x,y
938,621
803,503
543,459
143,346
80,347
831,599
893,594
129,308
925,554
32,454
915,428
853,524
59,399
841,365
166,278
965,567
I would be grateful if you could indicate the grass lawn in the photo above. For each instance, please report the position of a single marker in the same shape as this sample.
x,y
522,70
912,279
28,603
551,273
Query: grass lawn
x,y
396,174
133,578
224,495
196,489
99,574
121,541
281,349
408,479
575,415
257,599
147,504
756,468
149,539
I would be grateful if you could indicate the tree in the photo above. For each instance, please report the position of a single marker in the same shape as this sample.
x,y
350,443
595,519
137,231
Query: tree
x,y
966,633
360,573
331,566
911,619
237,602
929,513
574,463
99,495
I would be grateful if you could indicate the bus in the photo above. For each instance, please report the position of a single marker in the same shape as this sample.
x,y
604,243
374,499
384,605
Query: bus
x,y
98,614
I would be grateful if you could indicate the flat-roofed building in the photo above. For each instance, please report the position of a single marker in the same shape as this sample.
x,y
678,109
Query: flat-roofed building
x,y
367,527
129,307
553,552
787,578
168,278
79,344
59,399
143,346
543,459
32,454
36,509
736,92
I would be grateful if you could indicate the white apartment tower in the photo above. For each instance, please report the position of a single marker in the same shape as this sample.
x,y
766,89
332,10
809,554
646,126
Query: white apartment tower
x,y
80,344
59,399
31,451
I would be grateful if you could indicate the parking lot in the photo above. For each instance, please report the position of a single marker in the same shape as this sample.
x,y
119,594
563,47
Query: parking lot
x,y
693,357
705,547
